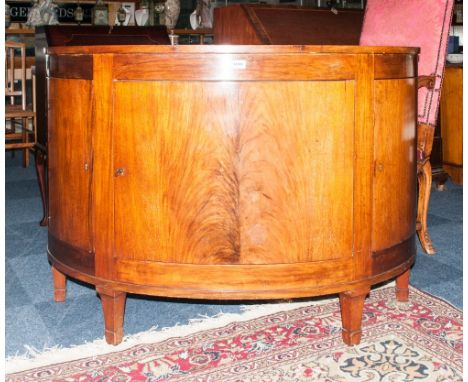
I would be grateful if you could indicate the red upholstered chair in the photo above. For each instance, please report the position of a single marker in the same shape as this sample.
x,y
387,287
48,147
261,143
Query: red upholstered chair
x,y
424,24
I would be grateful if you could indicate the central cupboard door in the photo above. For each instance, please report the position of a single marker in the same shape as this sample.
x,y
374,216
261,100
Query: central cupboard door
x,y
233,172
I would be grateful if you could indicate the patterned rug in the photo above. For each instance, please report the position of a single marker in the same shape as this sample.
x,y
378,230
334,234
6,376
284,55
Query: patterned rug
x,y
416,341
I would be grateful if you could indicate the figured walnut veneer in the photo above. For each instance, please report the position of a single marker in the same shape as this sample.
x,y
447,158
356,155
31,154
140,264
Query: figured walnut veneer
x,y
232,172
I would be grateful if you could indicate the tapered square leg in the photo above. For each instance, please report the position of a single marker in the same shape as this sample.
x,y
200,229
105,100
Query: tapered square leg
x,y
352,305
113,306
402,286
60,285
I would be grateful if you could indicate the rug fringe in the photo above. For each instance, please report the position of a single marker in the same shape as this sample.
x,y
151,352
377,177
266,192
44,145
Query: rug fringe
x,y
34,358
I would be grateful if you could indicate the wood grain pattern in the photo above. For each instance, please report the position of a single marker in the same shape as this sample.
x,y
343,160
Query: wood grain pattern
x,y
185,199
238,67
245,281
296,186
363,164
78,258
78,66
391,257
177,272
244,173
70,150
72,66
394,66
102,207
221,187
233,182
394,213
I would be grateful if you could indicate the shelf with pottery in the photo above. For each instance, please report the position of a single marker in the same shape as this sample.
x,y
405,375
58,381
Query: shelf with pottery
x,y
63,12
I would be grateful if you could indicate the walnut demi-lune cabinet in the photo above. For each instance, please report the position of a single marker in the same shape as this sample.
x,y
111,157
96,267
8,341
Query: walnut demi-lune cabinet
x,y
232,172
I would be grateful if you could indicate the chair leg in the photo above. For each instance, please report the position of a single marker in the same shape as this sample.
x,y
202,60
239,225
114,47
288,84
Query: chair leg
x,y
113,306
352,305
424,182
25,140
13,128
40,160
402,286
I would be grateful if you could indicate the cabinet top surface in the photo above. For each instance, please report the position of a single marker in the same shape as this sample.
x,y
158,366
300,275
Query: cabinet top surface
x,y
247,49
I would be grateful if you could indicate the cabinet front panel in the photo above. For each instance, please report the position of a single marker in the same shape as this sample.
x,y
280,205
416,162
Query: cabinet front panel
x,y
69,165
233,173
394,194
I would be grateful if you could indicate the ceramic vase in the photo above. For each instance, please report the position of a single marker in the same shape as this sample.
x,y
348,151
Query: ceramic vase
x,y
172,13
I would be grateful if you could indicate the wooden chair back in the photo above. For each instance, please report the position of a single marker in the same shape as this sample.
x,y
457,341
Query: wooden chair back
x,y
15,72
20,116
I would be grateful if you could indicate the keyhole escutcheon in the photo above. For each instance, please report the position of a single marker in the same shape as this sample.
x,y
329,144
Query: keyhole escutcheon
x,y
120,171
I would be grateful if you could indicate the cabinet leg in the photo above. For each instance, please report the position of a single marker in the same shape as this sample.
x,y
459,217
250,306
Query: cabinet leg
x,y
40,160
352,305
113,306
402,286
60,285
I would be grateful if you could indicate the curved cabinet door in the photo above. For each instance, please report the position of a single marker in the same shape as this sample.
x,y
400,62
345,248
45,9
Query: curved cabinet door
x,y
394,191
233,174
285,175
70,168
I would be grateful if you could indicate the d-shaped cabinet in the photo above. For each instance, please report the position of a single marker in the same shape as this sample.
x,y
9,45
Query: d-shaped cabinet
x,y
232,172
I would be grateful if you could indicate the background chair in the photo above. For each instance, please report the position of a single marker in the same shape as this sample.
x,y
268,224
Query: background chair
x,y
424,24
20,116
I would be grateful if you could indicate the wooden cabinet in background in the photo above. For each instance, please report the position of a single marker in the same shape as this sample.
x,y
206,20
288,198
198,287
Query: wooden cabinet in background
x,y
254,24
451,122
